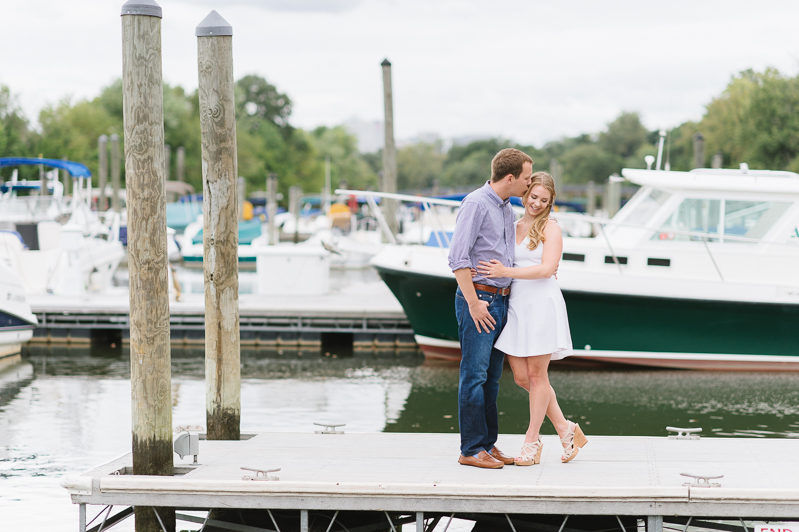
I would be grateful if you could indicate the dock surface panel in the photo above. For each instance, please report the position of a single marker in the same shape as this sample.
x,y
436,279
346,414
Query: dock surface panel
x,y
419,472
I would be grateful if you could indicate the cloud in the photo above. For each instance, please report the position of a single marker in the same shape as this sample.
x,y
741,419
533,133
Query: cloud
x,y
314,6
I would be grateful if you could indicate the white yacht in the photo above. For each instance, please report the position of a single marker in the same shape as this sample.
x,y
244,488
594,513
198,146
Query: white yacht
x,y
699,270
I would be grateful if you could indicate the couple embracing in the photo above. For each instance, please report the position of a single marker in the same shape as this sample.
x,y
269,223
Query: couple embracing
x,y
508,302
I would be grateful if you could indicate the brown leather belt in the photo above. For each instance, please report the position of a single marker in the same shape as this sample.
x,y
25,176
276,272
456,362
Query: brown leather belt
x,y
492,289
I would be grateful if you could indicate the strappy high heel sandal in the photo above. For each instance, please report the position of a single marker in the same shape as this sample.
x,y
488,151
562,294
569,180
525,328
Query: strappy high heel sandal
x,y
531,454
572,442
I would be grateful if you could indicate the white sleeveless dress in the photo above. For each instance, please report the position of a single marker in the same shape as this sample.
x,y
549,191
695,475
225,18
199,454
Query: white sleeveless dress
x,y
537,320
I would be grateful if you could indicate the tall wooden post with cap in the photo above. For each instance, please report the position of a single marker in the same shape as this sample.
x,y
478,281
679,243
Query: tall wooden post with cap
x,y
388,182
220,228
150,358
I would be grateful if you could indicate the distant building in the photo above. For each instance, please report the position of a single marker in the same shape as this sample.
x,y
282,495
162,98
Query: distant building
x,y
370,134
467,139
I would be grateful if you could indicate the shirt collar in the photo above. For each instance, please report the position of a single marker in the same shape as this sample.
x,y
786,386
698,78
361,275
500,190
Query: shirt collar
x,y
493,195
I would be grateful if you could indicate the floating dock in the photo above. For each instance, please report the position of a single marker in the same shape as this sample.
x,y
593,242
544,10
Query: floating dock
x,y
378,481
367,314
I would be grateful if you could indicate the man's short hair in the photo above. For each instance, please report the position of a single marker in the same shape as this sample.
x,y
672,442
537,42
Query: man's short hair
x,y
508,161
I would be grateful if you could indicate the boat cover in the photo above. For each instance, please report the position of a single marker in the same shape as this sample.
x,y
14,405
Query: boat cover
x,y
74,169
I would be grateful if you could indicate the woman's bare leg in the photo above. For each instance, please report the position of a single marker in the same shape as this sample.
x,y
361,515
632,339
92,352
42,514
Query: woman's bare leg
x,y
531,374
555,414
518,366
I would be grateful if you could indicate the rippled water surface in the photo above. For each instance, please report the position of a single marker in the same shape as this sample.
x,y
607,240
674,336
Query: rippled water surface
x,y
66,410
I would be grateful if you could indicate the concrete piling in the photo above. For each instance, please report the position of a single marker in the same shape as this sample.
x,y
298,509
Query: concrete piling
x,y
151,376
220,228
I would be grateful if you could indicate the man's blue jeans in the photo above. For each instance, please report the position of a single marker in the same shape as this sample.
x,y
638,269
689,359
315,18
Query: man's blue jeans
x,y
481,368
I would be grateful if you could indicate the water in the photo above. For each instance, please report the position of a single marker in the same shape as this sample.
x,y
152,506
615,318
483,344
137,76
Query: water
x,y
66,410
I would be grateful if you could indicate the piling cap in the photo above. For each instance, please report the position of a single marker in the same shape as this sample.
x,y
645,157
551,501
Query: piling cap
x,y
213,26
385,62
147,8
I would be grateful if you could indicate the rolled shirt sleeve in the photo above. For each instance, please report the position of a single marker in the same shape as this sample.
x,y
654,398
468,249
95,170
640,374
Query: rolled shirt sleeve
x,y
467,227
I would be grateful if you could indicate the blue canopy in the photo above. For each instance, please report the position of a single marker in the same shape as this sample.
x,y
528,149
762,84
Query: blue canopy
x,y
74,169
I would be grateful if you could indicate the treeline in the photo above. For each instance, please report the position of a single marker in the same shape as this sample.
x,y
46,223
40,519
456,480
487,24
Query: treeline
x,y
754,120
267,142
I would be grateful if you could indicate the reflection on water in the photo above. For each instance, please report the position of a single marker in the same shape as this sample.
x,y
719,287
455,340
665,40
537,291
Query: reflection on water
x,y
66,410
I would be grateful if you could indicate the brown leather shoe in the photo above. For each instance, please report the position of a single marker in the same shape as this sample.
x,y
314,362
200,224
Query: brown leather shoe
x,y
502,457
481,459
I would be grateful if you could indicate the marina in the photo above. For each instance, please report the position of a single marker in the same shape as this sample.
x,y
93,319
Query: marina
x,y
265,340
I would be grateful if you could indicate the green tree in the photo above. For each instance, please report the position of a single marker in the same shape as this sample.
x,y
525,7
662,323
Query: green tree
x,y
72,131
15,134
588,162
418,165
624,135
346,164
258,98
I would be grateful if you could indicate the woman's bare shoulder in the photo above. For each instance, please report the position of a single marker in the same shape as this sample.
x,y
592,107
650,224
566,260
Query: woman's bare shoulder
x,y
552,226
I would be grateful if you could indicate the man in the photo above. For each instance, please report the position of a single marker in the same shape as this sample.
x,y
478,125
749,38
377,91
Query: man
x,y
484,230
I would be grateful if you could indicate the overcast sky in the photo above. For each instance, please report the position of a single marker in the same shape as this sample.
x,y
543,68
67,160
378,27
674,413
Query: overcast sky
x,y
531,71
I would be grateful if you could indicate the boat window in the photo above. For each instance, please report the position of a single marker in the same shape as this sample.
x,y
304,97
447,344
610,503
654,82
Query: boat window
x,y
751,219
693,215
647,207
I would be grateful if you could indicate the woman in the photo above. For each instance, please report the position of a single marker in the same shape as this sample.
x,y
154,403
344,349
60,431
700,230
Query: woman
x,y
537,330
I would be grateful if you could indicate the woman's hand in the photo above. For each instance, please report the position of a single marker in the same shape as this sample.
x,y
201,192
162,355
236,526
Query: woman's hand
x,y
492,269
473,272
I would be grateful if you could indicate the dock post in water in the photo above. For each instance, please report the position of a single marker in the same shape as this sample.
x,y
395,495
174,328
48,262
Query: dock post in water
x,y
388,183
115,171
150,357
181,163
220,228
102,171
699,150
271,207
67,179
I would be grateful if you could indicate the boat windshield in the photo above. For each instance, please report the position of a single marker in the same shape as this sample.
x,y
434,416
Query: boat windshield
x,y
718,217
646,206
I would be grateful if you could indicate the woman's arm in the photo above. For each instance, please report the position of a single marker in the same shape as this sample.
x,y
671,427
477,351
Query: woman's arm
x,y
549,260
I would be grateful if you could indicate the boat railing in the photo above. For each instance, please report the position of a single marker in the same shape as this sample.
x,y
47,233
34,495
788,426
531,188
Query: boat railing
x,y
603,223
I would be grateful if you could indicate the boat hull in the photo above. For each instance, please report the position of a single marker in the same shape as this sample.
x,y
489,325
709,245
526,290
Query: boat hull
x,y
627,329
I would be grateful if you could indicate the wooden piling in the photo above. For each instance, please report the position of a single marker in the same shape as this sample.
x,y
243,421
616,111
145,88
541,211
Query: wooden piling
x,y
389,179
67,179
167,161
115,171
151,377
102,171
181,163
590,198
271,208
699,150
220,228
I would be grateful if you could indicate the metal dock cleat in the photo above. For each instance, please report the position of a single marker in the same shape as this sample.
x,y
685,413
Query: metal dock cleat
x,y
260,474
330,428
684,434
702,481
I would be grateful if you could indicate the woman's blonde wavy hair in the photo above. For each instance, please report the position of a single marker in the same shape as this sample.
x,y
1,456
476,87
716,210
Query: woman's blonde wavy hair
x,y
536,231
